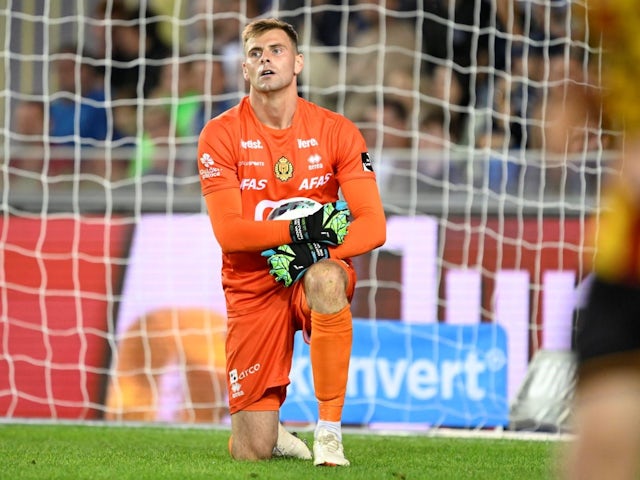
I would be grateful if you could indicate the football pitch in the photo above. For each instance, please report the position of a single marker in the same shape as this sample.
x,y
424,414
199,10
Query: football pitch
x,y
77,451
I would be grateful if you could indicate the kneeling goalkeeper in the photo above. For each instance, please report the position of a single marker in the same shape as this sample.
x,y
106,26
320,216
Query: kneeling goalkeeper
x,y
283,276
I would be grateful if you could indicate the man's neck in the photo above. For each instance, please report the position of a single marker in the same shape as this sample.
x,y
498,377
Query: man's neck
x,y
274,109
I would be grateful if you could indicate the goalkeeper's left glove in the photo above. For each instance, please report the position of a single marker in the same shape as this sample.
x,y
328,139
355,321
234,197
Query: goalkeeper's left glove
x,y
327,225
289,262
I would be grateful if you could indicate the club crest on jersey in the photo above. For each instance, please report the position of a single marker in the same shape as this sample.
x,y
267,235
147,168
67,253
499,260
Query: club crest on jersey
x,y
283,169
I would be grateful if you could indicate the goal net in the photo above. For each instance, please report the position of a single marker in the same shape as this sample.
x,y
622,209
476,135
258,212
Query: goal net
x,y
111,305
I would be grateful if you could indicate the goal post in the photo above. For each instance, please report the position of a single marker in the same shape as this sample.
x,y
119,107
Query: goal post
x,y
111,306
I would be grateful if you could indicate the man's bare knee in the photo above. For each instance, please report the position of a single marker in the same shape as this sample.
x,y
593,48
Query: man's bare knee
x,y
325,286
254,434
251,449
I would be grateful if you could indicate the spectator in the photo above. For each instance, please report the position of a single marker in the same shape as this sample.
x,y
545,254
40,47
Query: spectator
x,y
503,130
179,90
131,44
152,154
501,175
382,28
401,85
456,31
389,120
323,26
562,162
441,16
27,141
192,90
125,118
104,15
218,29
446,91
326,21
126,121
77,96
384,36
78,111
211,84
434,141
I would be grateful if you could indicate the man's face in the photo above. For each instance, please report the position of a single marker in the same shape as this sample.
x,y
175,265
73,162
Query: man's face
x,y
65,69
271,62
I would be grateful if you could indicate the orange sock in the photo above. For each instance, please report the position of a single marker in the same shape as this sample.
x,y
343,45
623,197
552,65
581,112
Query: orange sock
x,y
331,337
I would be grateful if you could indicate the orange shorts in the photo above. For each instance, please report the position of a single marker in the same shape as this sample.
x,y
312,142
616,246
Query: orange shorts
x,y
259,345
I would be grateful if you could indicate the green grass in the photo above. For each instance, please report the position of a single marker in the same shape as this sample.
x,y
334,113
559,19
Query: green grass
x,y
50,451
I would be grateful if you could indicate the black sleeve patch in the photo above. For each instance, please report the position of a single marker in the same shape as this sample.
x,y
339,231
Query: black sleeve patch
x,y
367,165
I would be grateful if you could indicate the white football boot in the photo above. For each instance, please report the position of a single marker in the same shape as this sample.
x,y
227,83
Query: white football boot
x,y
289,445
328,451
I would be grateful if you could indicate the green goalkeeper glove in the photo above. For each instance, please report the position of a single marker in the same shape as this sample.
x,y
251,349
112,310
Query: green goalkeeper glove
x,y
327,225
289,262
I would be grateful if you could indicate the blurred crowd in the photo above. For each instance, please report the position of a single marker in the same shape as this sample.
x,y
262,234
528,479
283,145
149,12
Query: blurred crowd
x,y
461,92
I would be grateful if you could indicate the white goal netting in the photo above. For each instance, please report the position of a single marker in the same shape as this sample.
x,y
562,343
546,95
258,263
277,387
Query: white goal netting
x,y
110,299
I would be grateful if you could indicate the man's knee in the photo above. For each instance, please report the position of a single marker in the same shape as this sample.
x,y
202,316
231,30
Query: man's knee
x,y
254,435
251,447
326,283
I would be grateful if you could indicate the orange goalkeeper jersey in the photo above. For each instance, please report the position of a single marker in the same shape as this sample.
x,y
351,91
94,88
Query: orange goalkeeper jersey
x,y
247,169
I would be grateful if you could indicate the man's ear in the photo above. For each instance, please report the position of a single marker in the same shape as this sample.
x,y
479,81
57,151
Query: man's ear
x,y
245,74
299,63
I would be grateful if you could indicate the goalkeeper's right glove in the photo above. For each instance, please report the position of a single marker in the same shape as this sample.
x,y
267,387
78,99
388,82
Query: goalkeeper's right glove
x,y
289,262
327,225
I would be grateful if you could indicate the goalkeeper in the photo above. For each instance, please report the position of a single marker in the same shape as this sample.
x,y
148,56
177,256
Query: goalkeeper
x,y
283,276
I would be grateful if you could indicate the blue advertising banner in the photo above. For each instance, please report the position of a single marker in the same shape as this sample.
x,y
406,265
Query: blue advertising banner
x,y
434,374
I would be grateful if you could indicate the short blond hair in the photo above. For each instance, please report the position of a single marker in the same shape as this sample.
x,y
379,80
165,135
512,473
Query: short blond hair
x,y
260,26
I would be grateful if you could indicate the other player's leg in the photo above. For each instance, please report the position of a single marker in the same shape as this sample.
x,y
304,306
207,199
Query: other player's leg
x,y
607,419
607,398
